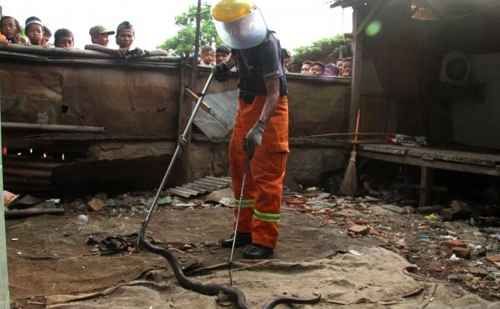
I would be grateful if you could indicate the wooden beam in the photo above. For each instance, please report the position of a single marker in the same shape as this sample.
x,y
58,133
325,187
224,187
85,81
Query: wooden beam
x,y
203,105
369,17
348,134
426,183
357,48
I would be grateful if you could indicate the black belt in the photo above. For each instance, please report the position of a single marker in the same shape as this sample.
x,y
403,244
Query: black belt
x,y
249,97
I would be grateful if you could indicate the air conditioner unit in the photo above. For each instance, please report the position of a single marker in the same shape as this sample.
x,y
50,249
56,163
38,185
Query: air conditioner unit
x,y
455,68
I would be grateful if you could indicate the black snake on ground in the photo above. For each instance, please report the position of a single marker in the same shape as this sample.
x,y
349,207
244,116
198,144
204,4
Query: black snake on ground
x,y
233,293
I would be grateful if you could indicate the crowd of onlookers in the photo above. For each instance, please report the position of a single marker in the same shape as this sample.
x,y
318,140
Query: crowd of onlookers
x,y
39,35
209,57
340,68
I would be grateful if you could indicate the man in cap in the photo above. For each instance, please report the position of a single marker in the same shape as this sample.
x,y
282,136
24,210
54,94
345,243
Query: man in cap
x,y
260,131
100,35
125,35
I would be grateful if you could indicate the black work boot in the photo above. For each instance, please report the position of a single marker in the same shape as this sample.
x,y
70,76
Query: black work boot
x,y
242,239
255,251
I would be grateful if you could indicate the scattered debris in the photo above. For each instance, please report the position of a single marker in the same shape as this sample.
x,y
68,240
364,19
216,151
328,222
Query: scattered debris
x,y
96,204
464,250
458,246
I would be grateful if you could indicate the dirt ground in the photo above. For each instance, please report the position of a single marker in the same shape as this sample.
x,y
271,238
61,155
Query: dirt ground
x,y
344,247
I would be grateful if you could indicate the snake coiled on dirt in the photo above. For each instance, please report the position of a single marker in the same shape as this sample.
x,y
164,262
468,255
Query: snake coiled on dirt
x,y
214,289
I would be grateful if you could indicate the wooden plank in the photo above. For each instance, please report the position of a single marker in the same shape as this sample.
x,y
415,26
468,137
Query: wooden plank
x,y
456,156
430,153
383,149
452,166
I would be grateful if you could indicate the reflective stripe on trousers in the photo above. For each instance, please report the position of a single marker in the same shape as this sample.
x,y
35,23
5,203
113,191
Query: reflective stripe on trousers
x,y
264,182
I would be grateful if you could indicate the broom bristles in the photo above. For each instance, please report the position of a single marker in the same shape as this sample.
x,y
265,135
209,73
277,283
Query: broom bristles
x,y
350,182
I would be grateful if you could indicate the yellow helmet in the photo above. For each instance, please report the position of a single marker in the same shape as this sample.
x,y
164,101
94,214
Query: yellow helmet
x,y
231,10
239,23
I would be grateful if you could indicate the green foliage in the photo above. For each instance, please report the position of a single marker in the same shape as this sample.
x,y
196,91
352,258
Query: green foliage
x,y
325,48
184,40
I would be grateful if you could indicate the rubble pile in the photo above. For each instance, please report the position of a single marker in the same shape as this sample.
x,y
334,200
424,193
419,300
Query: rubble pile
x,y
463,251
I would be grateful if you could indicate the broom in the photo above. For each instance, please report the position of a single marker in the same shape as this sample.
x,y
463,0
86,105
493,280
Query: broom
x,y
350,181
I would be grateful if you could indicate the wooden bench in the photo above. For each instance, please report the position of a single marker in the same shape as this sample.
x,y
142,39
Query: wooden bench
x,y
429,158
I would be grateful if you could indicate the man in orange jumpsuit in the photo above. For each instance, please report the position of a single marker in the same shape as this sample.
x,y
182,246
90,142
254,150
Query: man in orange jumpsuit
x,y
261,125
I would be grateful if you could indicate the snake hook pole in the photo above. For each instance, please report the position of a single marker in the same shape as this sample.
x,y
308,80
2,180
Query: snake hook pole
x,y
240,202
181,142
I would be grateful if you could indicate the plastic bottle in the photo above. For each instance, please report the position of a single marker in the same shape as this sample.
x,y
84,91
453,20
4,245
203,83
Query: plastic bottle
x,y
82,219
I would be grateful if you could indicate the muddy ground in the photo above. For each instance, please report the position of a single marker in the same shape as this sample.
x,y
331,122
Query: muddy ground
x,y
54,255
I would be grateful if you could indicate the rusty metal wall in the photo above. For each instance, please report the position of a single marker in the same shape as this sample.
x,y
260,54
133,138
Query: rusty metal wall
x,y
28,174
138,105
123,98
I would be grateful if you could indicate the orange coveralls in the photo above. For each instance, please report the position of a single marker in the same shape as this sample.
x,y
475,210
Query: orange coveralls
x,y
260,209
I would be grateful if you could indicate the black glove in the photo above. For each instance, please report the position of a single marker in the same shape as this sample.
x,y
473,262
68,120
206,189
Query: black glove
x,y
221,71
254,138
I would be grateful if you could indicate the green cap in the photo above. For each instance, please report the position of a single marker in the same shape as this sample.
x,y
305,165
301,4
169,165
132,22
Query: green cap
x,y
99,29
123,25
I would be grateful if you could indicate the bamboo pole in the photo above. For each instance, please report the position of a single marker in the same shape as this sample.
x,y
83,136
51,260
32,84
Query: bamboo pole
x,y
51,127
348,134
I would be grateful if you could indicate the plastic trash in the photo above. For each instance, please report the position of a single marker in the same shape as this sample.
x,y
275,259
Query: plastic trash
x,y
82,219
431,217
313,189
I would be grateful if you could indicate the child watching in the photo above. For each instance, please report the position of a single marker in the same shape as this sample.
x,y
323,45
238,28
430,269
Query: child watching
x,y
339,65
317,68
64,38
331,69
34,31
347,67
47,34
207,57
221,53
10,28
